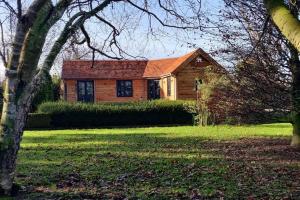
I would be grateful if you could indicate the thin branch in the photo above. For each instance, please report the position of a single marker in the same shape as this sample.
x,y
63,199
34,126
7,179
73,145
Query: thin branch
x,y
19,5
9,7
3,51
159,20
260,37
88,41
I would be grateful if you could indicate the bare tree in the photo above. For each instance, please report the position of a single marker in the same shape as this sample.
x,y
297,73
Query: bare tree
x,y
29,59
268,65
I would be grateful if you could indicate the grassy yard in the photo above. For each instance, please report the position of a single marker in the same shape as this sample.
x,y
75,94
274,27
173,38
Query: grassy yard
x,y
248,162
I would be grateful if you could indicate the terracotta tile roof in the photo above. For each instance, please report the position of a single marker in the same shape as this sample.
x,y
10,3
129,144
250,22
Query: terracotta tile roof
x,y
157,68
127,69
83,69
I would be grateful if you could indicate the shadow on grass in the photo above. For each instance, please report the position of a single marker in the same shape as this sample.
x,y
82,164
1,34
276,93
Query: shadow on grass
x,y
154,166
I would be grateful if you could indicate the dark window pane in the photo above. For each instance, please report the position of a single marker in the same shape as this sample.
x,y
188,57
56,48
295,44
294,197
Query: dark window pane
x,y
153,89
85,91
89,88
124,88
81,88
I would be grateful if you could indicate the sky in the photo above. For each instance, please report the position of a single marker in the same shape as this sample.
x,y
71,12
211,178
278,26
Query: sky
x,y
136,40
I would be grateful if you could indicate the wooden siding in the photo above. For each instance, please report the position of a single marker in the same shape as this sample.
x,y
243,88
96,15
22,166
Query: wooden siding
x,y
105,91
164,88
71,90
186,81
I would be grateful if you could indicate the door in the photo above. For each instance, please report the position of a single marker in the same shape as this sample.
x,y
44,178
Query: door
x,y
85,91
153,89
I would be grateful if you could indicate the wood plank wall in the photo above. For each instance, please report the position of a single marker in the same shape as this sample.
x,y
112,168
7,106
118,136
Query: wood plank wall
x,y
105,91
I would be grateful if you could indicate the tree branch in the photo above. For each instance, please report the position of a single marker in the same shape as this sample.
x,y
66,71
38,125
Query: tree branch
x,y
159,20
10,8
3,51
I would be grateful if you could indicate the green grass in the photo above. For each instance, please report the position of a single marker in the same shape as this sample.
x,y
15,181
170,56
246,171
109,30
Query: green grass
x,y
159,163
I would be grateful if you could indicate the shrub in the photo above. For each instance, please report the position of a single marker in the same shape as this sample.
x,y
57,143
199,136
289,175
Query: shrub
x,y
38,120
83,115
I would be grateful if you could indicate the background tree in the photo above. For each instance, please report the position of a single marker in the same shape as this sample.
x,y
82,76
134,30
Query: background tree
x,y
263,59
46,93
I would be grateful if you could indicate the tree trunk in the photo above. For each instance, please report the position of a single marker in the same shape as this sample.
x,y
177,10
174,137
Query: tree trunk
x,y
284,19
8,156
9,139
295,67
13,120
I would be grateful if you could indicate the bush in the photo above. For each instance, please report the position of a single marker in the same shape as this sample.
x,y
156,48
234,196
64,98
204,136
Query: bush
x,y
38,120
82,115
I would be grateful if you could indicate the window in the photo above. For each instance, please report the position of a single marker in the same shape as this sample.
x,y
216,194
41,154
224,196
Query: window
x,y
124,88
169,86
85,91
153,89
197,85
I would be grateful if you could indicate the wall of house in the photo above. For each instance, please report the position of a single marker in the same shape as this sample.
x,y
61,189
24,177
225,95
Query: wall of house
x,y
164,88
105,90
71,90
186,80
182,86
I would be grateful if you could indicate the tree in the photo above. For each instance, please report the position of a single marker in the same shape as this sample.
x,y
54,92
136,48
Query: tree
x,y
268,65
285,20
261,56
285,16
30,60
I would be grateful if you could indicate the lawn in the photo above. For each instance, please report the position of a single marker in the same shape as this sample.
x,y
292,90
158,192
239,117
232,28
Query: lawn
x,y
245,162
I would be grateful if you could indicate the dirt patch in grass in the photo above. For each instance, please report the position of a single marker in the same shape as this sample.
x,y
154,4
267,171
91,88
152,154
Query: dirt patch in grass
x,y
260,164
262,150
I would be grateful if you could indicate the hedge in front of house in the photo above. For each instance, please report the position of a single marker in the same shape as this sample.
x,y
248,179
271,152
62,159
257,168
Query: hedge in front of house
x,y
38,120
83,115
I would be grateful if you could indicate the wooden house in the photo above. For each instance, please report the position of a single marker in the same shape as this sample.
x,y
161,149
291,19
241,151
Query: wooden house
x,y
134,80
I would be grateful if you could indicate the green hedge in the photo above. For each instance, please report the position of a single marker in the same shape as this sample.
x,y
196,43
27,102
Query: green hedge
x,y
82,115
38,120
